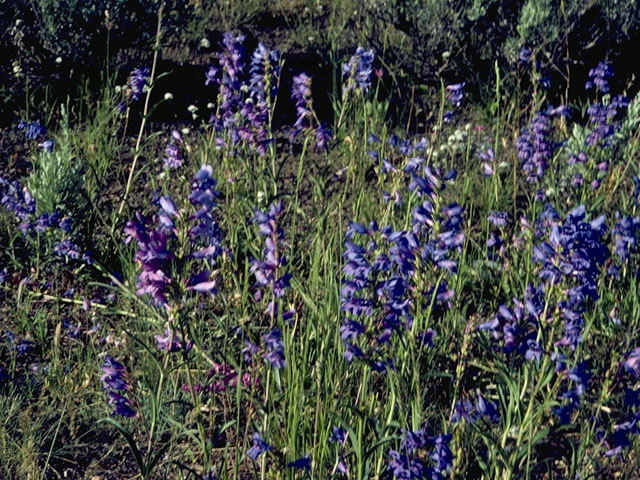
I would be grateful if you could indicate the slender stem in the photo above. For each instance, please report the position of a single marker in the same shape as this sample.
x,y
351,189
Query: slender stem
x,y
145,112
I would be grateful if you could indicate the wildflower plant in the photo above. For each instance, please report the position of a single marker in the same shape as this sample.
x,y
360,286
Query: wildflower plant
x,y
177,248
247,93
357,76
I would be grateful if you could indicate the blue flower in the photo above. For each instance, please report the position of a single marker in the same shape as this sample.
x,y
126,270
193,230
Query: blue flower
x,y
535,147
357,72
116,379
303,463
599,77
632,363
137,81
338,435
258,448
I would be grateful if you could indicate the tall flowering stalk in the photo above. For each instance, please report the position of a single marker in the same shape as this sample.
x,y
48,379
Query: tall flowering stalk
x,y
454,95
117,384
571,255
356,78
306,119
387,273
176,247
246,95
535,147
271,279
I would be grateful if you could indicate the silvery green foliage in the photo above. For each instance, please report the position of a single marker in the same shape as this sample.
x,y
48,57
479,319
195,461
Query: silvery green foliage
x,y
57,180
536,22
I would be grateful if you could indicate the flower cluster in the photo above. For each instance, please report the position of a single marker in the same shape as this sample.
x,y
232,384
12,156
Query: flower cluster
x,y
258,448
604,119
22,204
626,420
157,244
421,456
535,147
173,152
264,70
470,413
154,258
380,288
306,118
245,102
599,77
275,346
32,130
488,158
117,383
579,378
455,95
268,271
137,82
517,327
357,72
574,255
222,376
626,235
17,201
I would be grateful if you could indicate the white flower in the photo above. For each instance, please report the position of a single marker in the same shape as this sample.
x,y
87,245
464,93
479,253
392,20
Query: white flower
x,y
192,109
168,96
58,60
205,43
185,131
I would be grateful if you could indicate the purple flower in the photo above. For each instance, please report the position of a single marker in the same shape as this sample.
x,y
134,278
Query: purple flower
x,y
170,342
455,93
258,448
173,157
632,363
535,147
137,81
269,270
244,103
626,235
166,203
498,219
275,346
488,162
264,72
17,200
115,378
301,95
604,120
47,145
357,72
32,130
338,435
525,55
599,77
303,463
